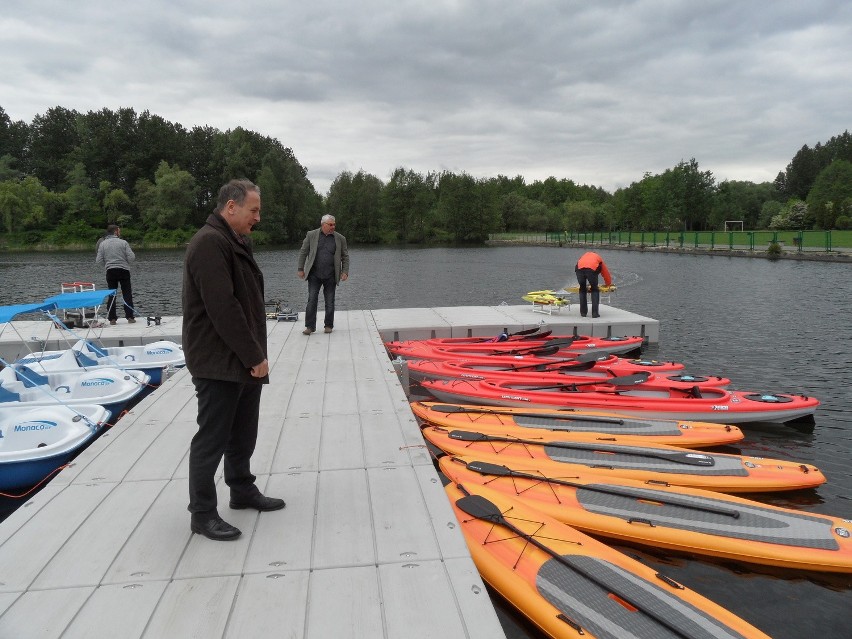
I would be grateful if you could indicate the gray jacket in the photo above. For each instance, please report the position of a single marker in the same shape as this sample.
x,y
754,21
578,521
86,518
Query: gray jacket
x,y
309,252
114,252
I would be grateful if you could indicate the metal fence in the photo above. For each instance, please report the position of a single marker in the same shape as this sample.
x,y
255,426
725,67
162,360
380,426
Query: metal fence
x,y
731,240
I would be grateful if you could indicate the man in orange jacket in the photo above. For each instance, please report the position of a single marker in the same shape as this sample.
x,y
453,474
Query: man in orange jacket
x,y
588,267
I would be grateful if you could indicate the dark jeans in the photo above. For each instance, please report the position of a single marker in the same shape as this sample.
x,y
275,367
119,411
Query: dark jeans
x,y
329,286
587,277
227,426
114,278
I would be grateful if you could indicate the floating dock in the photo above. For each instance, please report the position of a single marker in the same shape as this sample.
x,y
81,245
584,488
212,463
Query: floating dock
x,y
367,546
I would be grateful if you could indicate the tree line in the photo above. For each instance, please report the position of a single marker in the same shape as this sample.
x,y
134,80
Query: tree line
x,y
66,175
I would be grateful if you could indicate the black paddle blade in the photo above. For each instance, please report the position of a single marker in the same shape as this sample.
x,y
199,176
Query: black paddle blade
x,y
480,508
485,468
562,341
528,331
468,436
542,351
591,357
629,380
541,335
570,367
626,380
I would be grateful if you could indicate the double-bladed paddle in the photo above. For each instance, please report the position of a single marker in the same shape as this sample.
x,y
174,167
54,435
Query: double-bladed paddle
x,y
687,457
455,408
583,362
497,470
624,380
481,508
557,343
536,332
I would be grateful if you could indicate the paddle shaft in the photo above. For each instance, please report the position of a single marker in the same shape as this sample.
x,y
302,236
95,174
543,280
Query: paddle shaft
x,y
671,456
484,411
496,517
484,469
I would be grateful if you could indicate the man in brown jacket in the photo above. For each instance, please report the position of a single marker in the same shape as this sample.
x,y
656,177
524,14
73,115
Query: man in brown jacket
x,y
224,343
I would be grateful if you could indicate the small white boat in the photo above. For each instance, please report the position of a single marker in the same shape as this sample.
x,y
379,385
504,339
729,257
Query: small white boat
x,y
112,388
36,441
153,359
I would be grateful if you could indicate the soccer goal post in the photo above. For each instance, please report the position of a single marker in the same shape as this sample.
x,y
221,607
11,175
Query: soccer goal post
x,y
733,225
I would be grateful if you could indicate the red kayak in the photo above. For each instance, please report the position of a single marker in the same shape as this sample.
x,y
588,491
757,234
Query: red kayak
x,y
634,397
450,348
562,372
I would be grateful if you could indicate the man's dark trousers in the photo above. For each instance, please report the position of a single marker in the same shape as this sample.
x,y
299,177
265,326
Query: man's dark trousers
x,y
329,286
588,278
228,414
114,278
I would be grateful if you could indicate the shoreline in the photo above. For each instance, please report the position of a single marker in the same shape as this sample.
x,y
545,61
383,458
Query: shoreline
x,y
841,256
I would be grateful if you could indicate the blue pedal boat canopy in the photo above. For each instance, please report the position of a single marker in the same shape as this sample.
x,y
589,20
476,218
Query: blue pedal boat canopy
x,y
83,299
7,313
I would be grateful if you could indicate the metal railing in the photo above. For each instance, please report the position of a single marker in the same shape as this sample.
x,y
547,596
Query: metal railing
x,y
730,240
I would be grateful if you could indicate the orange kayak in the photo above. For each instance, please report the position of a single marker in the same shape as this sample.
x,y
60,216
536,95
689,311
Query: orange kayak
x,y
576,425
682,519
574,587
648,462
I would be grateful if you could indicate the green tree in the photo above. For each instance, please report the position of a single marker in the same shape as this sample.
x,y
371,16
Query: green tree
x,y
7,170
156,140
767,212
580,216
115,204
794,216
831,194
356,201
53,143
166,203
468,208
744,201
81,199
26,205
406,201
798,178
13,140
206,162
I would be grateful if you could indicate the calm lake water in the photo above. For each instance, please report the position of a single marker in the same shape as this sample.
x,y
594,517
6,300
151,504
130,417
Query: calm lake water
x,y
769,326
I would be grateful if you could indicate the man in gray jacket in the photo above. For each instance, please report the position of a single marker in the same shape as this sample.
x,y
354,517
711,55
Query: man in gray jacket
x,y
325,259
116,255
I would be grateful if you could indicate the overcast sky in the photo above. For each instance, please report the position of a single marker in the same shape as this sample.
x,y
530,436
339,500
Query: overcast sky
x,y
599,92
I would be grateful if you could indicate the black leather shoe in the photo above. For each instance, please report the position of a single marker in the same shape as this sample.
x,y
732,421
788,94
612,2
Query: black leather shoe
x,y
259,502
215,528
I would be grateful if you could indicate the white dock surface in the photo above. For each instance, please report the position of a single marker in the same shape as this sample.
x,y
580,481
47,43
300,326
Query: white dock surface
x,y
367,546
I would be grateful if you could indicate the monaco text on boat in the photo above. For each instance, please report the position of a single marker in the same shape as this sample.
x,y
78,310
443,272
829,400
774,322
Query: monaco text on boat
x,y
572,586
113,388
37,440
674,517
153,358
578,425
647,462
709,404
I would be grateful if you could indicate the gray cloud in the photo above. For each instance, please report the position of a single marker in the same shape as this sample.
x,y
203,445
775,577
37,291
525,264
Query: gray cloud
x,y
597,92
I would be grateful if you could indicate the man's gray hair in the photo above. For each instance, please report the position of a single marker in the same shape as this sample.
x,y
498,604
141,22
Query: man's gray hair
x,y
235,190
327,218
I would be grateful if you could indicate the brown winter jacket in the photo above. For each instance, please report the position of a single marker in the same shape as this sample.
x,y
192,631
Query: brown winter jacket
x,y
224,316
